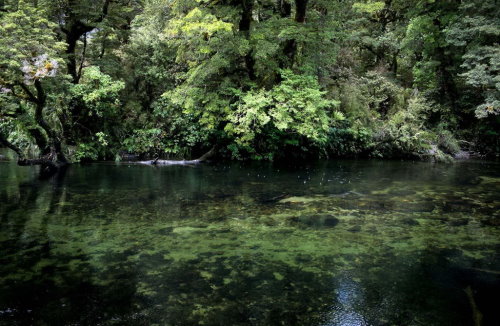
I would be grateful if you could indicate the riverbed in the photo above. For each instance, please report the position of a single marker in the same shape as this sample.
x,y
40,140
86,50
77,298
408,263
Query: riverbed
x,y
342,243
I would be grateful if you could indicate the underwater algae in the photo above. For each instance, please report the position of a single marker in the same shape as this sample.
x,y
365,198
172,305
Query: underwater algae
x,y
113,245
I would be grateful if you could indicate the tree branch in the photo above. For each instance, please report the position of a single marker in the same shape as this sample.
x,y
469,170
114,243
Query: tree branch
x,y
105,10
79,74
31,97
8,144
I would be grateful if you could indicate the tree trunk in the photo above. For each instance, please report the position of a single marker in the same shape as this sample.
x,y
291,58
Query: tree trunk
x,y
205,157
284,8
40,140
300,10
244,27
48,167
74,30
290,48
53,138
447,87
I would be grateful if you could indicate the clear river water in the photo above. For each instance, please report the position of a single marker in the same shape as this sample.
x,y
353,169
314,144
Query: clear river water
x,y
344,243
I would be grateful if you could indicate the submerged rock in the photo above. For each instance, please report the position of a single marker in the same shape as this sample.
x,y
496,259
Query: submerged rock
x,y
166,231
355,228
330,221
410,221
274,199
492,221
348,195
315,221
401,192
301,200
459,222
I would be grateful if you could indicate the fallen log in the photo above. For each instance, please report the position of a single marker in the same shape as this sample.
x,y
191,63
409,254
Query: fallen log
x,y
169,162
202,159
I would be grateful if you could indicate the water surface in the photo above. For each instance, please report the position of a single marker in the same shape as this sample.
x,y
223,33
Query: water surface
x,y
342,243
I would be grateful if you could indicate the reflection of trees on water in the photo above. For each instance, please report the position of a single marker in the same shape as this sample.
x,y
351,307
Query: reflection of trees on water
x,y
38,284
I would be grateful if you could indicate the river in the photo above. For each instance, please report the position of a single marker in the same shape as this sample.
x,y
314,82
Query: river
x,y
345,243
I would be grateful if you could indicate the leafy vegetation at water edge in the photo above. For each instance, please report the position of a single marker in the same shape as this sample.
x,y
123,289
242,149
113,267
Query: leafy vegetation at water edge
x,y
256,79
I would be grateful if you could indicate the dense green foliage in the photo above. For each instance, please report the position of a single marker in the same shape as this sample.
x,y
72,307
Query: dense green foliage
x,y
258,79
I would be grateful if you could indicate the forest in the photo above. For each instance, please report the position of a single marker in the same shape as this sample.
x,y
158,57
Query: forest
x,y
351,149
88,80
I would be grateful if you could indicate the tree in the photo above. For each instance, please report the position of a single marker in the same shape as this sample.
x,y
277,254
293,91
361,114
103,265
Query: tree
x,y
41,97
476,31
29,55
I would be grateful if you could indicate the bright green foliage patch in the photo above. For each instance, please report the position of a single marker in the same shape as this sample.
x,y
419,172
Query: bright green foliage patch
x,y
295,106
